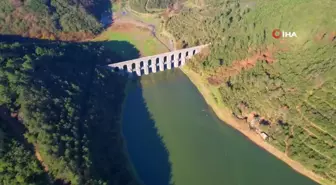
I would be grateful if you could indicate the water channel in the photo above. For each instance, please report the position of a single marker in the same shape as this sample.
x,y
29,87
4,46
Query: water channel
x,y
173,137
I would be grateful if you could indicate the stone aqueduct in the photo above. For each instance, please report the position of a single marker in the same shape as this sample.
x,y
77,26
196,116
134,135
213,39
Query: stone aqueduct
x,y
161,62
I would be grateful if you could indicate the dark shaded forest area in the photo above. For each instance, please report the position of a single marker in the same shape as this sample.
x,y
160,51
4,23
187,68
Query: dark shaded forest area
x,y
60,106
150,6
69,104
18,165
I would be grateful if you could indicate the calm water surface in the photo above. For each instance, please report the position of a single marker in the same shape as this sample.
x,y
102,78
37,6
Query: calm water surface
x,y
173,137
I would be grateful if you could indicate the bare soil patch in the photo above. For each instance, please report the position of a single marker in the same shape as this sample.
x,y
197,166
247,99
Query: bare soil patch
x,y
39,157
127,25
223,73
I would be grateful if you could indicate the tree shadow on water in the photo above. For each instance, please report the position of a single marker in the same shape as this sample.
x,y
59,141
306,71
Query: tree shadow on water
x,y
145,146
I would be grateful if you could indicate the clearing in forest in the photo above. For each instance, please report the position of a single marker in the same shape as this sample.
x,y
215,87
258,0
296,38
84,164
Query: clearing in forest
x,y
141,37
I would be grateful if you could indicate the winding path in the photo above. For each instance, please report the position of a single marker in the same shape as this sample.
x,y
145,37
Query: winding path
x,y
122,19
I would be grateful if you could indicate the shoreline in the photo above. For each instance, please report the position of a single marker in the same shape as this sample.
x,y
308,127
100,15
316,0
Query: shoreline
x,y
224,114
129,165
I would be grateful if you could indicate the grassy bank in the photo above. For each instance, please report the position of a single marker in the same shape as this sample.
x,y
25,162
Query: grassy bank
x,y
136,33
211,96
140,38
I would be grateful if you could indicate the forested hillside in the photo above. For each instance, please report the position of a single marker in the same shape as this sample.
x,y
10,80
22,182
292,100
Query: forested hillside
x,y
149,6
290,83
70,105
62,19
17,164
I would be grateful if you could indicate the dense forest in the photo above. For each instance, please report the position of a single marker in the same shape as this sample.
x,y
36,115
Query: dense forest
x,y
60,108
150,6
290,82
69,104
53,19
17,164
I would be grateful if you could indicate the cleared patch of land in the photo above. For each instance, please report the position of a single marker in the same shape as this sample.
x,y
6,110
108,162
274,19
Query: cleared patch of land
x,y
139,36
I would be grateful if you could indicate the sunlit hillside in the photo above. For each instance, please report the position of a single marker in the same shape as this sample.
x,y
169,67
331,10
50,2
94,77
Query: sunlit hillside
x,y
288,82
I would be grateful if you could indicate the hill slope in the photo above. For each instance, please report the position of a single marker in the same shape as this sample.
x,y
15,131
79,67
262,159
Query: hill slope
x,y
18,165
70,106
53,18
289,83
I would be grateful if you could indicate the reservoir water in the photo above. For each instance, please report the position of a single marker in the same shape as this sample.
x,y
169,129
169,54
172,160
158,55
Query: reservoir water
x,y
173,137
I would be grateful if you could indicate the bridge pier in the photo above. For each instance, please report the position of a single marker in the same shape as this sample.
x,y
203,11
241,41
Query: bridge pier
x,y
168,63
176,60
146,68
197,51
154,65
189,52
138,69
129,70
161,64
182,60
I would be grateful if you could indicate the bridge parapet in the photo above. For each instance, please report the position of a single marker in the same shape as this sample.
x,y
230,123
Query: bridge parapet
x,y
161,62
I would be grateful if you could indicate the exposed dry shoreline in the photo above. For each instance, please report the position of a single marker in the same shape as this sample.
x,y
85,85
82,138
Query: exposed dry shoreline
x,y
225,115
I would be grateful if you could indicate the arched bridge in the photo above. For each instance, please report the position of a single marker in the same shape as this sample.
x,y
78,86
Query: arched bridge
x,y
161,62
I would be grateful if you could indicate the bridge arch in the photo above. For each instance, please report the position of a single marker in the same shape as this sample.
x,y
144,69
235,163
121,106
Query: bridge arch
x,y
158,63
179,59
172,61
150,65
116,69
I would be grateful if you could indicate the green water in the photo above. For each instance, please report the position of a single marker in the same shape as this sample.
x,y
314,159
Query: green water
x,y
173,137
